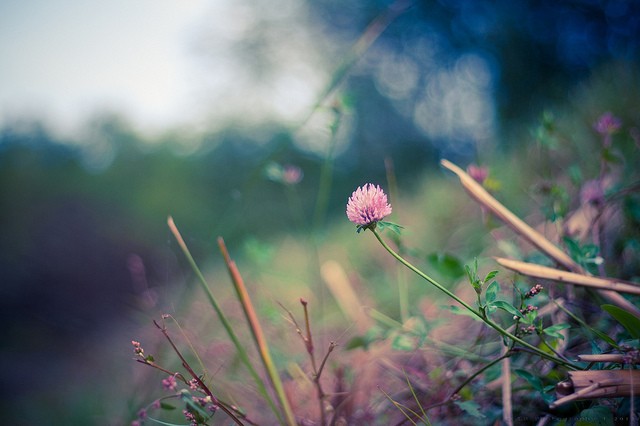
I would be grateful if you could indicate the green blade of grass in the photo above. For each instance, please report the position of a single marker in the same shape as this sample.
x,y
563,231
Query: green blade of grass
x,y
415,398
256,332
402,408
242,353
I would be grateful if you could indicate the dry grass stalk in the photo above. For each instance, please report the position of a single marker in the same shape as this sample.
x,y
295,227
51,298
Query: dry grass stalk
x,y
544,272
477,192
594,384
618,358
507,406
336,279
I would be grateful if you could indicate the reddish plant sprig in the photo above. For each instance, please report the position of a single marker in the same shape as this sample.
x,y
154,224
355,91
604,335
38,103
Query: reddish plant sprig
x,y
195,377
195,384
307,339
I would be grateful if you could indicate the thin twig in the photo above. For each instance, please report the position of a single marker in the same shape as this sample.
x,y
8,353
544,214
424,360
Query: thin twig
x,y
195,377
467,381
316,374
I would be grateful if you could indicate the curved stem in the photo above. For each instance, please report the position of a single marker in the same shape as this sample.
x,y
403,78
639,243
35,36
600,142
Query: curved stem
x,y
469,380
490,323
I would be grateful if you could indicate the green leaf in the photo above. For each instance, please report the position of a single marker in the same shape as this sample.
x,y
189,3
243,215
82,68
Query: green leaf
x,y
472,408
446,265
373,334
630,322
418,326
534,381
492,292
596,416
506,306
392,226
554,330
166,406
403,342
470,275
160,422
603,336
357,342
490,276
193,407
489,309
536,384
460,311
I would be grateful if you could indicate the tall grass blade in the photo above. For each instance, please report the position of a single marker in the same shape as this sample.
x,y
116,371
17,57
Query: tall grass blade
x,y
242,353
256,332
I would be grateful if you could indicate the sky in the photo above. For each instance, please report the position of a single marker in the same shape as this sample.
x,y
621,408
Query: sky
x,y
63,60
161,64
201,64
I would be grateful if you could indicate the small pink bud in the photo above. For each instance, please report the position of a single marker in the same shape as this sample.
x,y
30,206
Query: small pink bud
x,y
169,383
479,174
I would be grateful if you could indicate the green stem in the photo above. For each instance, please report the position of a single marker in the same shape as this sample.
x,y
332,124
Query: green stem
x,y
468,380
242,353
257,333
326,175
490,323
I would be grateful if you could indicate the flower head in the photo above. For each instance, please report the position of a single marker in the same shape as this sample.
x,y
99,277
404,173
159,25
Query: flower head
x,y
607,124
592,193
169,383
478,173
292,174
534,290
368,205
137,348
288,174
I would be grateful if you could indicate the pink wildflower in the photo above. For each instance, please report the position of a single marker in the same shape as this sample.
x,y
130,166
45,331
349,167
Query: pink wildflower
x,y
291,174
607,124
534,290
478,173
193,384
190,417
368,205
137,349
592,193
169,383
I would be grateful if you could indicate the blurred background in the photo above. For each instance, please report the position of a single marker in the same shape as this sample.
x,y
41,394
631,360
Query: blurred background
x,y
253,120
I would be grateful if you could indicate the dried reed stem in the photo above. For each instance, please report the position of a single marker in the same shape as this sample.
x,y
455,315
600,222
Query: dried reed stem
x,y
593,384
544,272
477,192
